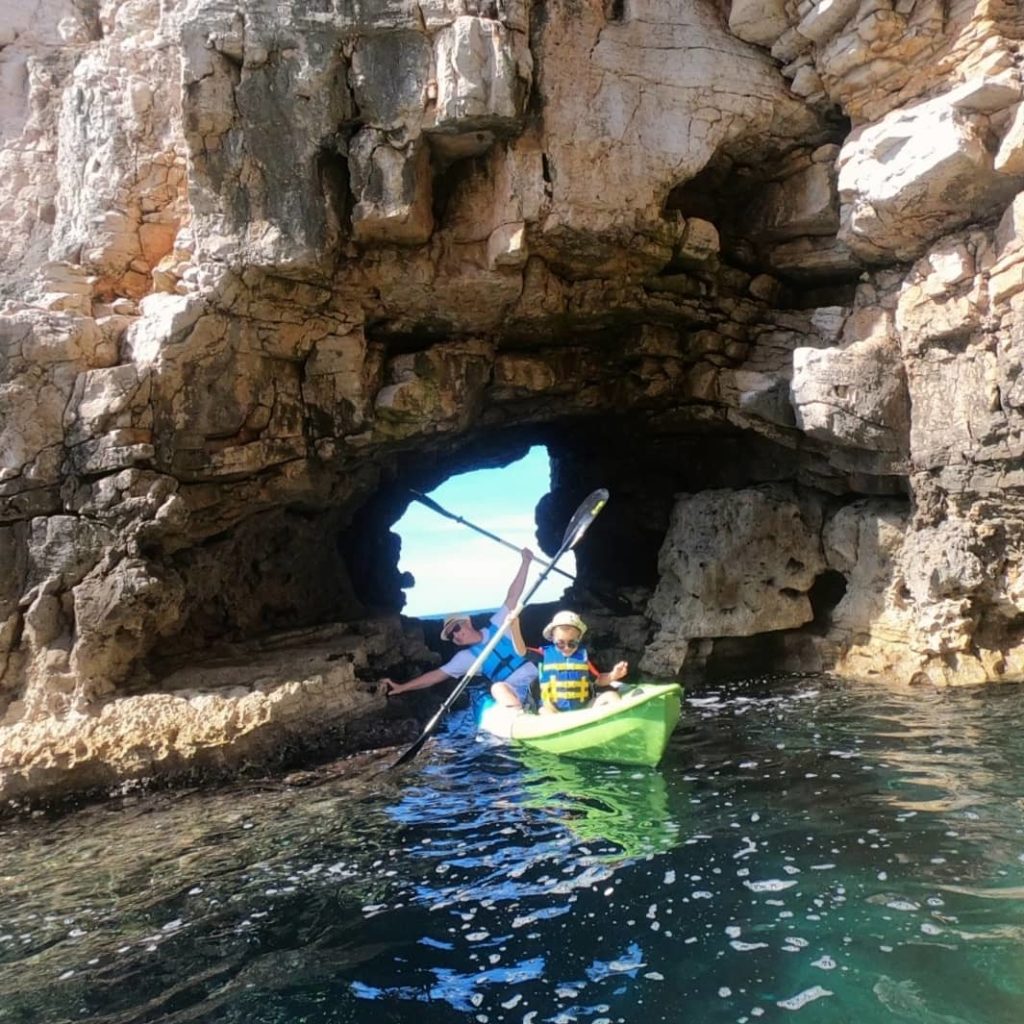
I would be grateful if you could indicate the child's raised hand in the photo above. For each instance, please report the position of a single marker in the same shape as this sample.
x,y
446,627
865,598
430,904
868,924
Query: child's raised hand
x,y
619,671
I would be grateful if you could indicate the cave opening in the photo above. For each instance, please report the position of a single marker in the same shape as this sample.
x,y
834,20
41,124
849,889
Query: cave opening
x,y
342,556
646,461
450,564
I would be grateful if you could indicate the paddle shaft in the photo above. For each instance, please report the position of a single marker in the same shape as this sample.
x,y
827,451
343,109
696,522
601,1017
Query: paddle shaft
x,y
578,525
615,602
477,664
465,680
431,504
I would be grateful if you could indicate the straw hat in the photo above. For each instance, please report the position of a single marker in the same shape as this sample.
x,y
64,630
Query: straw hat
x,y
450,621
564,619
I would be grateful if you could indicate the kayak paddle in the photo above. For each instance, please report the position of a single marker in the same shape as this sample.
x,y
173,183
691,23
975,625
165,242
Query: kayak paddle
x,y
614,601
578,525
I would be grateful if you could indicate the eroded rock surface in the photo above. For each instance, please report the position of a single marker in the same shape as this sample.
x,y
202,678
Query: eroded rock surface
x,y
758,269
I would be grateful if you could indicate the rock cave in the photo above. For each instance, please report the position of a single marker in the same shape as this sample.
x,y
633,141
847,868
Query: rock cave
x,y
757,268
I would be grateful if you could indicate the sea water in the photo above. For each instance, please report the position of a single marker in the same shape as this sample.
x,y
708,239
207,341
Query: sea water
x,y
807,850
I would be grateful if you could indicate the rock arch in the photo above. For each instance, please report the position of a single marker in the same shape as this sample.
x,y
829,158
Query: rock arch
x,y
755,269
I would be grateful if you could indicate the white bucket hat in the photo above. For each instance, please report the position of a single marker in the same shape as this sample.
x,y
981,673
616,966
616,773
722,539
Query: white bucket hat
x,y
564,619
450,621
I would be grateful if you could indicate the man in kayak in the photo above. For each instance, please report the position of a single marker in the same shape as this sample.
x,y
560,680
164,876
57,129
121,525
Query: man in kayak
x,y
508,668
568,679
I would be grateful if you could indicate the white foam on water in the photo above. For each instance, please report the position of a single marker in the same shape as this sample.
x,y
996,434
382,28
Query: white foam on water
x,y
801,999
750,848
905,905
625,965
769,885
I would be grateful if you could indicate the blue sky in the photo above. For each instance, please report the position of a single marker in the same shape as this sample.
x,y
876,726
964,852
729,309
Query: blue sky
x,y
457,569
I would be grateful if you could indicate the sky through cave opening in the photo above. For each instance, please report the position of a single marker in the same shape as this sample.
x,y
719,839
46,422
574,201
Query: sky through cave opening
x,y
457,569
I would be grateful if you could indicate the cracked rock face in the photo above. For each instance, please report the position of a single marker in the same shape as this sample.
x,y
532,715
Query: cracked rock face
x,y
759,270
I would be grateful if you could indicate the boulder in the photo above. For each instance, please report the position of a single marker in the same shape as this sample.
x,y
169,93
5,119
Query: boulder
x,y
917,174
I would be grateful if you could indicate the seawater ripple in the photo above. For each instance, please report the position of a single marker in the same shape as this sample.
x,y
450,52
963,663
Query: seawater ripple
x,y
807,847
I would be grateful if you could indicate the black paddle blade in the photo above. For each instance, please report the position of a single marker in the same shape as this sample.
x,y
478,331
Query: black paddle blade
x,y
417,744
412,751
423,499
583,517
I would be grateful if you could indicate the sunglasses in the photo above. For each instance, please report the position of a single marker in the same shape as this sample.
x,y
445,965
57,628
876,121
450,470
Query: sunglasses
x,y
457,628
569,645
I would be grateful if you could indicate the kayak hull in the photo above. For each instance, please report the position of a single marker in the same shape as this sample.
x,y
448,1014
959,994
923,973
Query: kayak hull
x,y
633,730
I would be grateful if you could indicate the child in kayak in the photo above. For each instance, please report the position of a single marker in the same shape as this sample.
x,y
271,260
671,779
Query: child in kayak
x,y
568,679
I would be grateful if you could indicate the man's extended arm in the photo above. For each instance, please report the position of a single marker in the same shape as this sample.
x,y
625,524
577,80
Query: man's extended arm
x,y
431,678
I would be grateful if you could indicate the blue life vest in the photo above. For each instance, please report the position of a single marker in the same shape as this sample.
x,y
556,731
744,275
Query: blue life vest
x,y
502,661
565,679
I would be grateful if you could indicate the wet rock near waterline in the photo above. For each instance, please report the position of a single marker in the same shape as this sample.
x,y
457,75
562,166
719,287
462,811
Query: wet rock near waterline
x,y
292,699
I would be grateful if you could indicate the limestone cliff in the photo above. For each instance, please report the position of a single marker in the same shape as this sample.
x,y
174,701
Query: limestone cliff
x,y
758,268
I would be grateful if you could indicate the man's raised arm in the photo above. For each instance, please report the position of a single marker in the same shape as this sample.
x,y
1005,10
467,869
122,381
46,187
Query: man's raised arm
x,y
515,591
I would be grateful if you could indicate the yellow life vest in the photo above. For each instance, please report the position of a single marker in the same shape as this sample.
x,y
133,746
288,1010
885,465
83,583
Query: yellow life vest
x,y
565,679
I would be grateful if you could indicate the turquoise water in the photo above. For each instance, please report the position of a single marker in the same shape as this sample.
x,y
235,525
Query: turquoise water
x,y
807,849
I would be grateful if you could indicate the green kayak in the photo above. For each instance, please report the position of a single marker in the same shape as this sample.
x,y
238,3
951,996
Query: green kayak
x,y
633,730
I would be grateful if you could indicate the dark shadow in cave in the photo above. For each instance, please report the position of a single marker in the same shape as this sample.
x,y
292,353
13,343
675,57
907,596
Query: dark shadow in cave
x,y
740,195
332,170
826,592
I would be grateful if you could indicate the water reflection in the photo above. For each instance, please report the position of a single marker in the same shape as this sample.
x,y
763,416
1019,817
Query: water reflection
x,y
620,812
804,847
